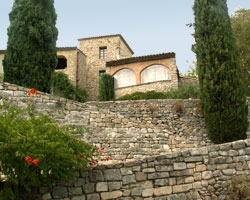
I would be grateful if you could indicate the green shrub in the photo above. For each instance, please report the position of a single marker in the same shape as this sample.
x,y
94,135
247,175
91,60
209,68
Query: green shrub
x,y
106,87
62,86
183,92
36,152
239,188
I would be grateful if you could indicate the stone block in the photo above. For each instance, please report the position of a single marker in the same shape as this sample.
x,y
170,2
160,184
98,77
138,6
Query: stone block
x,y
93,197
207,175
148,192
140,176
164,168
228,172
128,179
111,195
199,151
102,187
75,191
182,188
200,168
239,144
126,171
114,185
59,192
162,191
180,166
112,175
89,188
161,182
136,191
78,198
46,196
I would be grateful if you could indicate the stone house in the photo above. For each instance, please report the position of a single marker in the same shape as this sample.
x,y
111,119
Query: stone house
x,y
111,54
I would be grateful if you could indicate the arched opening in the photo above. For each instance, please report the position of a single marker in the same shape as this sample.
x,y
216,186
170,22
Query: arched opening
x,y
155,73
62,62
124,78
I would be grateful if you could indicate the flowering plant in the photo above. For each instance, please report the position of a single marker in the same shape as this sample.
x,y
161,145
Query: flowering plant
x,y
34,151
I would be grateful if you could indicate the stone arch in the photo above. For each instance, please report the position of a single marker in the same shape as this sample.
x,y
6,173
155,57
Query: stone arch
x,y
62,62
154,73
124,77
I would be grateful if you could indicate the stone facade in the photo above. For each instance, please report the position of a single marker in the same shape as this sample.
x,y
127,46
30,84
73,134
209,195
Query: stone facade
x,y
111,54
116,47
76,64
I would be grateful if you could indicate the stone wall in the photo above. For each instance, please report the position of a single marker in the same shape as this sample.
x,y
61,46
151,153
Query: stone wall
x,y
126,130
201,173
158,86
185,80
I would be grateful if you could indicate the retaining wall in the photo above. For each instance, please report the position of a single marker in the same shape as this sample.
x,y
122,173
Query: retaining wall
x,y
201,173
125,130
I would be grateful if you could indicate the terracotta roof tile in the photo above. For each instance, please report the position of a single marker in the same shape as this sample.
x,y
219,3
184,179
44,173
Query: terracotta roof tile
x,y
140,59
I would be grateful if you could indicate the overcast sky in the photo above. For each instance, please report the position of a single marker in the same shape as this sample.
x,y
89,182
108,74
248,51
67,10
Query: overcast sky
x,y
149,26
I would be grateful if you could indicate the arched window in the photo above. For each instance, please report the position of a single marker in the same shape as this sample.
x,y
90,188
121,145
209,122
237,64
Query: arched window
x,y
155,73
124,77
62,62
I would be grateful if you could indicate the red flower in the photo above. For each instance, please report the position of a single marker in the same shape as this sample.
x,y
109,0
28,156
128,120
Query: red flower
x,y
107,159
94,162
33,91
100,151
35,162
79,155
28,159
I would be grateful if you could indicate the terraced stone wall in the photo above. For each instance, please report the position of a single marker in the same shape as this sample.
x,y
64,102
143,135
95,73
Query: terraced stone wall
x,y
202,173
126,130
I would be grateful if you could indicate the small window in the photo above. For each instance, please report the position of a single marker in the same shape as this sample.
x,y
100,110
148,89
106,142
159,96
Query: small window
x,y
102,72
62,63
102,52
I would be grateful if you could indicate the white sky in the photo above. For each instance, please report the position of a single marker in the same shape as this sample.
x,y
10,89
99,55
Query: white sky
x,y
149,26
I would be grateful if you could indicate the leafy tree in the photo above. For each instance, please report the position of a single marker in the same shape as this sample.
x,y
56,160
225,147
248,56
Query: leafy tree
x,y
223,92
31,50
241,30
192,72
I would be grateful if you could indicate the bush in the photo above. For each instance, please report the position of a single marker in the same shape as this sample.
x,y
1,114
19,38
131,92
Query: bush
x,y
62,86
183,92
36,152
106,87
239,188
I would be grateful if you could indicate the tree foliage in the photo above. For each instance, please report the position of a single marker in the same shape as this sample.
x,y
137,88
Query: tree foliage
x,y
61,86
223,92
106,87
241,30
31,50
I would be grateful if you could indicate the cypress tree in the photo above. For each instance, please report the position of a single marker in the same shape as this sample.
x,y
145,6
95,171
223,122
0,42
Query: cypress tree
x,y
106,87
31,57
223,92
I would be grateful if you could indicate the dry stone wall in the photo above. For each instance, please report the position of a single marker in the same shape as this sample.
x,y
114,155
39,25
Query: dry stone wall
x,y
126,130
201,173
139,137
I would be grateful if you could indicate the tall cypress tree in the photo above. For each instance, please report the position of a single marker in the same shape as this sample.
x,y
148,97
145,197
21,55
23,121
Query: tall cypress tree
x,y
223,93
31,57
